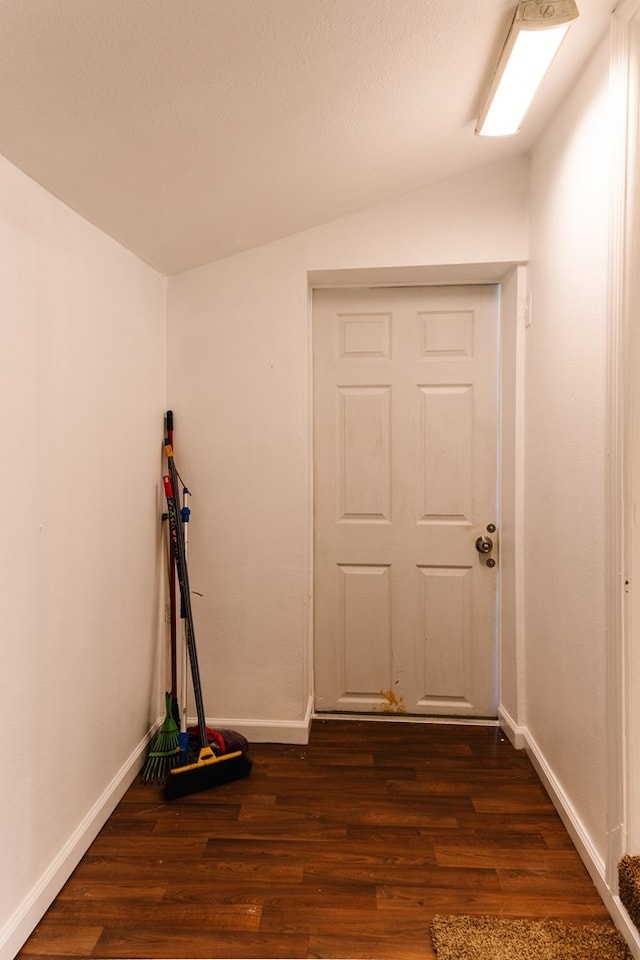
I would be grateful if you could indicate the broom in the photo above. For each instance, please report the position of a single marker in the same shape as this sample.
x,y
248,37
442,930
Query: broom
x,y
208,770
164,751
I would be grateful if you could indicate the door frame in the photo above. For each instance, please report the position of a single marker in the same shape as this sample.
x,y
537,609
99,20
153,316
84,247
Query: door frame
x,y
623,451
511,279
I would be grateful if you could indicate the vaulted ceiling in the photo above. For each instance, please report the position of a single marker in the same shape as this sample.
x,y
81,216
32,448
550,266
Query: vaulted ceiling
x,y
192,129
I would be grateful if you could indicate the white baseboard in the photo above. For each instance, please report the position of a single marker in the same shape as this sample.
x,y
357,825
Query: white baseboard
x,y
407,718
24,920
267,731
513,731
582,842
575,828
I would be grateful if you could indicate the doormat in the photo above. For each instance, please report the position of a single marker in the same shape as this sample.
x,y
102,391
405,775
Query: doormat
x,y
498,938
629,885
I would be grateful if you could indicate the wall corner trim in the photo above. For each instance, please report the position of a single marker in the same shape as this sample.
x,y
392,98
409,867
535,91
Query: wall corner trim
x,y
514,732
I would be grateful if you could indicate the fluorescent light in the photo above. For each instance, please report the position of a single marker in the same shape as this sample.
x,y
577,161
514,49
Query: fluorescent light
x,y
536,33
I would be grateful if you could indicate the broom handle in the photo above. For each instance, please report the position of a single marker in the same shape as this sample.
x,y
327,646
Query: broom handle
x,y
171,486
173,626
172,590
184,654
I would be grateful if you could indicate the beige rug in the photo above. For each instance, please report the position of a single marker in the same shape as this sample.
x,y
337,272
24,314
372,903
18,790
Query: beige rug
x,y
497,938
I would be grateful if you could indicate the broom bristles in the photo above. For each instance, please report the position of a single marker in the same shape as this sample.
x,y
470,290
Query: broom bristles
x,y
207,772
164,753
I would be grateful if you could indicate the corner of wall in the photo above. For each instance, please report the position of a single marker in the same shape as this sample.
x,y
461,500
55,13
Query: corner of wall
x,y
510,728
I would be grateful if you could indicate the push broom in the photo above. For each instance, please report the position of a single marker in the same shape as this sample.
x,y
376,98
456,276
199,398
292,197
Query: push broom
x,y
208,770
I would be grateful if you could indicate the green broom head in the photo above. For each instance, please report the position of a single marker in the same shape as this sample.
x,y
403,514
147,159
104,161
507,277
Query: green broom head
x,y
164,753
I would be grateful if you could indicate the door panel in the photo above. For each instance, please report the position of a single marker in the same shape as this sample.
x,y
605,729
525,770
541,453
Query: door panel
x,y
365,597
405,481
364,453
445,444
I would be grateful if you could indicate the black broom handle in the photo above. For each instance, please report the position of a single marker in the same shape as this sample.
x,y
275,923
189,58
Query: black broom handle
x,y
172,590
177,533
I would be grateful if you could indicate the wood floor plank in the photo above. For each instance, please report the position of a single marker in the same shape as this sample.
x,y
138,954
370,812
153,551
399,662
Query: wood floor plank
x,y
362,811
327,920
395,843
207,870
446,878
553,882
256,826
391,873
70,939
168,916
327,947
156,945
149,847
352,896
512,803
144,816
546,823
465,855
86,888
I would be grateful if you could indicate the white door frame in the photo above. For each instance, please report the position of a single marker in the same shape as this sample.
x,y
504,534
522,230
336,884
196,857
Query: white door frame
x,y
623,453
511,278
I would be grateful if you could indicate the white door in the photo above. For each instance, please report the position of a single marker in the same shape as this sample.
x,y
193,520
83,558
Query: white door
x,y
405,447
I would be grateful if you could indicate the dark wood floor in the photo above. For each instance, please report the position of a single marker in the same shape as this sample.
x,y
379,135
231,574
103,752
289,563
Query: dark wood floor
x,y
344,848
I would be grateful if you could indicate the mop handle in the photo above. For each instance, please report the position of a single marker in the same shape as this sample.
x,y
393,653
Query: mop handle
x,y
175,522
185,519
172,584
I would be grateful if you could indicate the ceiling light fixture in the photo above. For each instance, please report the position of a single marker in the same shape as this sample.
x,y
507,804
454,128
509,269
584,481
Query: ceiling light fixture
x,y
537,31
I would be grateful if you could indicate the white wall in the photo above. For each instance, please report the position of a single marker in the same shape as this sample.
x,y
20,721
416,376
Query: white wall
x,y
566,365
82,393
239,386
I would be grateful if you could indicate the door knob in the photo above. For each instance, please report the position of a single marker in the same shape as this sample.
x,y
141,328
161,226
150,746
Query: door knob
x,y
484,544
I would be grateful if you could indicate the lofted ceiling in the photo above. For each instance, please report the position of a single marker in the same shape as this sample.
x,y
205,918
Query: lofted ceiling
x,y
192,129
